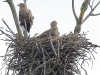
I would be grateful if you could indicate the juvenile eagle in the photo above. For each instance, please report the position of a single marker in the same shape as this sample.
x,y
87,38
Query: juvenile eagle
x,y
25,17
53,31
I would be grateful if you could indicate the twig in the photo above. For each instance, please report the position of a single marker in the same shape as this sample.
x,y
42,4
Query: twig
x,y
95,14
44,59
7,26
83,69
73,9
58,48
6,34
7,50
41,65
54,66
34,59
25,45
92,4
25,1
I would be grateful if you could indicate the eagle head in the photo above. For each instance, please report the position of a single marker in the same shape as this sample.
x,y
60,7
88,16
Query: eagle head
x,y
53,23
21,5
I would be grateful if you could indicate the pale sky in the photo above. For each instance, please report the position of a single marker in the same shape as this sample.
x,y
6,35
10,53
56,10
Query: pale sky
x,y
45,11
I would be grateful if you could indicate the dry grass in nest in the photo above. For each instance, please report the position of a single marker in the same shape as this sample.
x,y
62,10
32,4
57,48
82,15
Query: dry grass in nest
x,y
49,57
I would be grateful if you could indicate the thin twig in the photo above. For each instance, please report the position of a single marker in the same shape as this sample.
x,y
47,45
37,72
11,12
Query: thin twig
x,y
54,66
25,1
58,48
73,9
95,14
8,26
92,4
6,34
33,60
44,59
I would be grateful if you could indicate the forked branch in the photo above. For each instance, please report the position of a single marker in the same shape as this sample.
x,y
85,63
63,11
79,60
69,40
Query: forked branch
x,y
90,13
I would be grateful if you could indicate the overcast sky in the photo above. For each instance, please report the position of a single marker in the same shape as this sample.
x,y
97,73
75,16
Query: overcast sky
x,y
45,11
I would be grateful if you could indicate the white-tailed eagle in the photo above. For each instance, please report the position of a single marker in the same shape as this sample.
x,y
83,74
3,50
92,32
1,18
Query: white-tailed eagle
x,y
25,17
53,31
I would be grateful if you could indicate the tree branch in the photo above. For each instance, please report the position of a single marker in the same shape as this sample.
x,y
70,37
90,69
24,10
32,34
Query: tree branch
x,y
6,34
44,59
54,66
25,1
11,4
90,13
8,26
73,9
95,14
77,28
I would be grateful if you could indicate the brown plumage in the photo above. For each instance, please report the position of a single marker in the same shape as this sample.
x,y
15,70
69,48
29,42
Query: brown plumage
x,y
25,17
53,31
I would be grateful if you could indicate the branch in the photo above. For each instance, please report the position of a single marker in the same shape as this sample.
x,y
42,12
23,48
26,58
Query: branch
x,y
90,13
78,25
92,3
25,1
54,66
44,59
73,9
30,70
8,27
6,34
11,4
77,29
95,14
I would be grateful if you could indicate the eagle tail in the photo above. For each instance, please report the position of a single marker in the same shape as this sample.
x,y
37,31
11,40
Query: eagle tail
x,y
28,26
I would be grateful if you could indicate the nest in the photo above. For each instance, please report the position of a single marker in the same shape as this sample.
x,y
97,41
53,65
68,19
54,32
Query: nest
x,y
32,56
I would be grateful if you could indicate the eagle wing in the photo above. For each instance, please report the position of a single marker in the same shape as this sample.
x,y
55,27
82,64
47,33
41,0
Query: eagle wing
x,y
45,34
31,17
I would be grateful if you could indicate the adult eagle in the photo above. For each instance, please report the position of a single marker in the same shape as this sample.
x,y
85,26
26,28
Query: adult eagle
x,y
25,16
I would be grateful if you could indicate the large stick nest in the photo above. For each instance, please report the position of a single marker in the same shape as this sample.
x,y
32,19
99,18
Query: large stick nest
x,y
34,56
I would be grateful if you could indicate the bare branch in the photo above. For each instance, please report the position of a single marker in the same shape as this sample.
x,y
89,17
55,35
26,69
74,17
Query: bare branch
x,y
25,1
44,59
55,64
11,4
95,14
90,13
92,3
73,9
7,26
6,34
